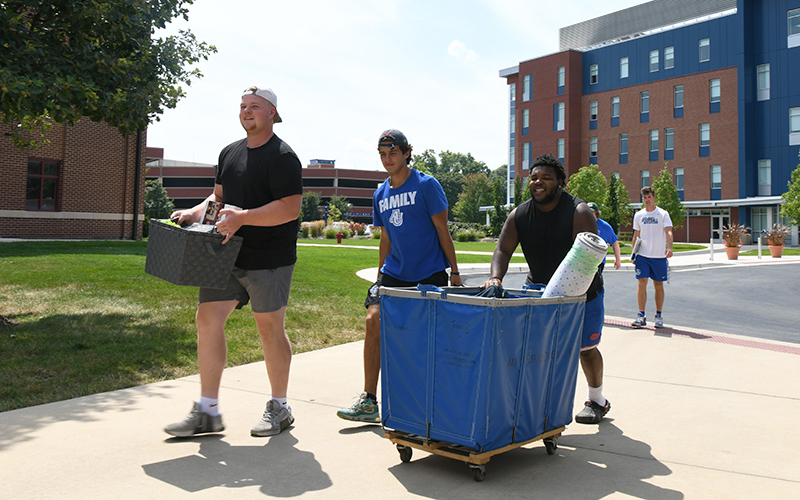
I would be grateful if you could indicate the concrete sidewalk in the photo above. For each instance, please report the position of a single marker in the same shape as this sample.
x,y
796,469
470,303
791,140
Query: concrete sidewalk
x,y
691,418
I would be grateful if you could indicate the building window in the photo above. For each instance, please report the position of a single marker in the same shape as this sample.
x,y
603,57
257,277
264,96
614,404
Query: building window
x,y
669,143
794,126
763,82
716,177
562,73
679,179
560,148
715,90
705,50
764,177
644,178
593,110
623,67
526,88
714,96
615,111
653,60
705,139
794,28
512,123
669,57
645,102
593,74
512,158
526,118
42,185
560,116
623,148
526,156
653,145
677,92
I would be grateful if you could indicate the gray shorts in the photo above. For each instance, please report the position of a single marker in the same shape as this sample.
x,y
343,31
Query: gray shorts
x,y
268,289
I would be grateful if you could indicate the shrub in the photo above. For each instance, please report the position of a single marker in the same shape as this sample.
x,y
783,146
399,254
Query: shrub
x,y
331,232
733,234
376,233
469,235
777,235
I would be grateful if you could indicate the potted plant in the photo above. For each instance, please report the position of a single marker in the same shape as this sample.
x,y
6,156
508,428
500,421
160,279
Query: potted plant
x,y
776,237
732,236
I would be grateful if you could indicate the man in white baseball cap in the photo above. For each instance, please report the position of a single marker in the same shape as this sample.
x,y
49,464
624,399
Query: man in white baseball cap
x,y
263,175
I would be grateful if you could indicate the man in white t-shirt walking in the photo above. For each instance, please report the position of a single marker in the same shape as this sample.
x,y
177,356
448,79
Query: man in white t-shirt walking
x,y
653,226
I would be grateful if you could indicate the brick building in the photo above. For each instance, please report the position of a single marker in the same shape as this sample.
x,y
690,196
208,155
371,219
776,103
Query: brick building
x,y
188,184
704,85
81,185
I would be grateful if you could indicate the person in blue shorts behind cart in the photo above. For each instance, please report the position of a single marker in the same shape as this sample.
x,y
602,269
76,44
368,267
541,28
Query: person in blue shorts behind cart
x,y
653,226
546,227
410,207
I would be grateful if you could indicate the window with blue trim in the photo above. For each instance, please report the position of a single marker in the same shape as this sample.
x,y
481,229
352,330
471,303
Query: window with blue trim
x,y
762,82
593,74
558,116
593,115
714,95
653,61
623,148
560,149
644,179
623,67
615,111
644,107
716,182
654,145
677,91
669,143
526,118
705,140
562,79
678,178
526,156
526,87
593,150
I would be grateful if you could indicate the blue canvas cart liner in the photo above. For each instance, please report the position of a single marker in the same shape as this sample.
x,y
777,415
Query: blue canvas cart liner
x,y
478,372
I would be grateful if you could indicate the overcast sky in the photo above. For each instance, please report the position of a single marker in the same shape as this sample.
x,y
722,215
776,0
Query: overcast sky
x,y
344,71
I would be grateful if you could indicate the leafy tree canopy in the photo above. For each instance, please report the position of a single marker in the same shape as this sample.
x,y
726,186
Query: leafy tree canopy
x,y
341,204
667,197
309,208
791,198
476,192
590,185
67,59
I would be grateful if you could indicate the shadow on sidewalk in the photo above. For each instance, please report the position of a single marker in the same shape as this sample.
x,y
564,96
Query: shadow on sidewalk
x,y
589,466
277,467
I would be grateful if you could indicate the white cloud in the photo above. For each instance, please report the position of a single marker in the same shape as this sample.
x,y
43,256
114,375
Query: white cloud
x,y
460,51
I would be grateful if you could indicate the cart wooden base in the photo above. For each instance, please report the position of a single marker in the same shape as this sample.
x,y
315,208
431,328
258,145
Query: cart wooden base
x,y
474,459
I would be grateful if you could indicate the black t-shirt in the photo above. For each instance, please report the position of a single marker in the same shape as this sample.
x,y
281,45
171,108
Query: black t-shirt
x,y
251,178
546,239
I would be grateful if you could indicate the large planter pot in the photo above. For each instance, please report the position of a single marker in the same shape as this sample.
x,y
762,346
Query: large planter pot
x,y
733,253
776,251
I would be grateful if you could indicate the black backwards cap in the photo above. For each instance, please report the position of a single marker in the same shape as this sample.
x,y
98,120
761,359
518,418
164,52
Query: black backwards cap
x,y
393,138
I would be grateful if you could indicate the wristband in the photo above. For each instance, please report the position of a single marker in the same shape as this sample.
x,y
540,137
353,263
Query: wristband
x,y
455,273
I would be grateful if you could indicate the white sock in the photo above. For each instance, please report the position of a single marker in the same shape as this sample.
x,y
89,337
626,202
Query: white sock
x,y
283,401
596,395
209,405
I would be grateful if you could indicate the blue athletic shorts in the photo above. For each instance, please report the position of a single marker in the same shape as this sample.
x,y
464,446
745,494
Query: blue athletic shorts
x,y
652,267
593,318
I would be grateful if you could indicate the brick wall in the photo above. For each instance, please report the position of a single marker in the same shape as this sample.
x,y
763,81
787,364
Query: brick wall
x,y
96,184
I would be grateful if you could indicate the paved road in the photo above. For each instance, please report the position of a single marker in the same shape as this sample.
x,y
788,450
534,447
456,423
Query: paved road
x,y
755,301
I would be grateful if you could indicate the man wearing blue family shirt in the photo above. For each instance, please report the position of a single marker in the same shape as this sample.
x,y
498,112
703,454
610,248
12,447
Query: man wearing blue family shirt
x,y
410,207
605,231
653,226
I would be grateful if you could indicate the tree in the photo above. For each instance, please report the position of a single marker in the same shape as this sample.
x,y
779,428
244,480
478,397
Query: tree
x,y
341,204
476,193
65,60
426,162
501,173
791,198
667,197
309,208
157,204
499,215
522,192
452,183
589,184
619,203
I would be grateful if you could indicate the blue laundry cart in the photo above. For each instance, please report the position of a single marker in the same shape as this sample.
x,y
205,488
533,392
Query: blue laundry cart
x,y
469,377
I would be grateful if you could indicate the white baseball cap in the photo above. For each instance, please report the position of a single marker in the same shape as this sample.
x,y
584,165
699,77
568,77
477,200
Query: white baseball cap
x,y
270,97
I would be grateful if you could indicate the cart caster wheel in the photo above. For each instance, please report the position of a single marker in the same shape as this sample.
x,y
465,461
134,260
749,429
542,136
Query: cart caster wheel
x,y
551,445
405,453
478,472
